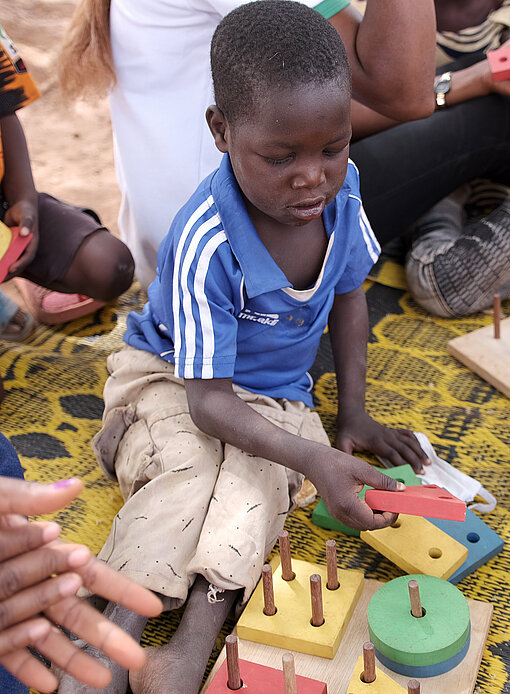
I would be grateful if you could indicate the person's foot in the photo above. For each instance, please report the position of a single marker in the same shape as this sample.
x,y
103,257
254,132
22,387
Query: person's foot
x,y
18,328
167,671
118,684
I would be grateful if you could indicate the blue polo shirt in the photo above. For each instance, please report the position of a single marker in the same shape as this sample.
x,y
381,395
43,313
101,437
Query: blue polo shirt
x,y
220,307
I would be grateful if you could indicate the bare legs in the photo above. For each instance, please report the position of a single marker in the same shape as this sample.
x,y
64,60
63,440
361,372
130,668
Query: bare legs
x,y
179,666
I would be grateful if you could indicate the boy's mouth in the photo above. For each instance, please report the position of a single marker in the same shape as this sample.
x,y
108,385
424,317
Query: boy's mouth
x,y
309,209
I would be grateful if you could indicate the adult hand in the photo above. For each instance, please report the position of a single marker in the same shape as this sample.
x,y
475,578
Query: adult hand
x,y
359,432
339,481
39,577
23,214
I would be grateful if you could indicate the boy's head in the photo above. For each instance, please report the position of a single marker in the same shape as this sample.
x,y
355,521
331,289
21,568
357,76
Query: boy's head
x,y
283,89
270,45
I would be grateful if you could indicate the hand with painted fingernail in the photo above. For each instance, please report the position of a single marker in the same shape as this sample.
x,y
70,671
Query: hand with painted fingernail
x,y
39,578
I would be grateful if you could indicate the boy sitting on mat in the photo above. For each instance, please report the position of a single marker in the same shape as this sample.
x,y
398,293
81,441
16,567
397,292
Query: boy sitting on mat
x,y
208,424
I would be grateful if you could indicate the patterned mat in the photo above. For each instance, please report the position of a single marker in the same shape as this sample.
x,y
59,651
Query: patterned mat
x,y
53,407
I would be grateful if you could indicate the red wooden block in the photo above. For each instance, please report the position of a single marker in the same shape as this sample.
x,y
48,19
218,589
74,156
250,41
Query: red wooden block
x,y
260,679
427,500
499,63
16,247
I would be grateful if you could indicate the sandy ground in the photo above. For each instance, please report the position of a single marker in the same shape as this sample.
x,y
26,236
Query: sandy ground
x,y
70,144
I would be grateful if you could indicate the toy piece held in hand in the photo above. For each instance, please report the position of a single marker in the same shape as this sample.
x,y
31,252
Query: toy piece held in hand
x,y
322,518
426,500
12,246
499,63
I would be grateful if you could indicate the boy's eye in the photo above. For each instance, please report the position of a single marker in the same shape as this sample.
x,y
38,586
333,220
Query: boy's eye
x,y
275,162
332,153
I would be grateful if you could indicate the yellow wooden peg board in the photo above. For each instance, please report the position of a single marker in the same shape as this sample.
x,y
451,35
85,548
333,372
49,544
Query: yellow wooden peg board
x,y
290,627
482,353
337,672
418,547
382,684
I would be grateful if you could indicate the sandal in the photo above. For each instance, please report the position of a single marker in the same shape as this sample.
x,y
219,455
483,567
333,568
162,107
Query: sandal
x,y
50,307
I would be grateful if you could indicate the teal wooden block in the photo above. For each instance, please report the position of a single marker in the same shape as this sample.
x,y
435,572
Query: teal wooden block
x,y
481,541
322,518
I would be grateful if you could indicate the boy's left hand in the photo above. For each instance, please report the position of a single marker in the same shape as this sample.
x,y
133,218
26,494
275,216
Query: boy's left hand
x,y
23,214
359,432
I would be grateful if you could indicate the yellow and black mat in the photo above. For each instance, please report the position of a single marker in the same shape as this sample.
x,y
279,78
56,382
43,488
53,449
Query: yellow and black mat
x,y
53,407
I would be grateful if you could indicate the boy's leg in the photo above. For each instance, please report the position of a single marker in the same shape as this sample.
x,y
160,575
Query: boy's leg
x,y
76,254
175,668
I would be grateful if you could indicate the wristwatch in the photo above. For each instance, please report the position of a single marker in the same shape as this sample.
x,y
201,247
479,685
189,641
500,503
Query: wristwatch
x,y
442,87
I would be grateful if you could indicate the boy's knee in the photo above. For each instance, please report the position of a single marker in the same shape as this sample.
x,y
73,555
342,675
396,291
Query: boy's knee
x,y
107,265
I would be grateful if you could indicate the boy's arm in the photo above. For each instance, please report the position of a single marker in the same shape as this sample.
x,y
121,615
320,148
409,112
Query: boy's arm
x,y
18,188
339,477
348,329
391,52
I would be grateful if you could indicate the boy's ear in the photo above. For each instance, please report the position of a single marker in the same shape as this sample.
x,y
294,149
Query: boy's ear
x,y
218,126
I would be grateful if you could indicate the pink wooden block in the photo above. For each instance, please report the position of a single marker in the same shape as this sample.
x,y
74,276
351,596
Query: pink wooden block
x,y
15,249
427,500
260,679
499,63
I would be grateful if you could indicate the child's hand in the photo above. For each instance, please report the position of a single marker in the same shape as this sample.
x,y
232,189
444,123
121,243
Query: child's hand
x,y
39,577
340,479
23,214
361,433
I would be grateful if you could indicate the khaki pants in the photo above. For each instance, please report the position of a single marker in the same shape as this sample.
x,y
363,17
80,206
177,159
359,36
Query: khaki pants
x,y
193,505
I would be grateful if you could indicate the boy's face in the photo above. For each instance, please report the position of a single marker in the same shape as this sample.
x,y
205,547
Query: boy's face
x,y
290,158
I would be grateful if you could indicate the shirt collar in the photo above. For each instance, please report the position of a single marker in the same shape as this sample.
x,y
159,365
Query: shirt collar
x,y
261,273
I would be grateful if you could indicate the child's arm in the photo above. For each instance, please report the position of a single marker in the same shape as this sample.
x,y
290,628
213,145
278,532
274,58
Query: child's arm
x,y
339,477
18,188
348,328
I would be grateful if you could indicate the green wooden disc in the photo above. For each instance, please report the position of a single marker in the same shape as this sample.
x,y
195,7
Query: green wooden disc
x,y
438,635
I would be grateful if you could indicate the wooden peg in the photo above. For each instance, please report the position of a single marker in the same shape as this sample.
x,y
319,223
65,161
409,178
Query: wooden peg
x,y
316,598
234,676
331,562
285,556
368,662
289,673
413,687
414,594
497,316
267,587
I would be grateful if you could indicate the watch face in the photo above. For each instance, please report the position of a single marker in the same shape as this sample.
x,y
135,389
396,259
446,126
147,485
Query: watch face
x,y
443,86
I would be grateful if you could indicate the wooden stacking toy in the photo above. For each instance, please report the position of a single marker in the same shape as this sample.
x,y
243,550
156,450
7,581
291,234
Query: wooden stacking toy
x,y
367,679
418,547
419,625
302,606
12,246
322,517
499,63
486,350
251,678
426,500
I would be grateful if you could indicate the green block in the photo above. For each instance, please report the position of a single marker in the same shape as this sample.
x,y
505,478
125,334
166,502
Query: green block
x,y
322,518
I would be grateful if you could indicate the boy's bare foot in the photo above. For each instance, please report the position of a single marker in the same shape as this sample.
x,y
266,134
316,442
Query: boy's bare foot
x,y
178,667
131,622
168,671
118,684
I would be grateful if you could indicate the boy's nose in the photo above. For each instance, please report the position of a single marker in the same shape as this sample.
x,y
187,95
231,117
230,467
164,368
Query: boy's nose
x,y
309,176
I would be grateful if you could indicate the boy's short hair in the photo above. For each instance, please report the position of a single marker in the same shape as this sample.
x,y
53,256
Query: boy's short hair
x,y
273,44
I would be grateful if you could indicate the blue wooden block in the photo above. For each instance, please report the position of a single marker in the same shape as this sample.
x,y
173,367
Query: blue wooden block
x,y
481,541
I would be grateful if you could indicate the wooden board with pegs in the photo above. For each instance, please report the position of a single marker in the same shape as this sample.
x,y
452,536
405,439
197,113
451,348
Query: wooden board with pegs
x,y
337,672
486,351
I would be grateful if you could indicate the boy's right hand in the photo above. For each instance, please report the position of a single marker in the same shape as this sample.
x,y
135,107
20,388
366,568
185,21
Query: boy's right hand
x,y
340,480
